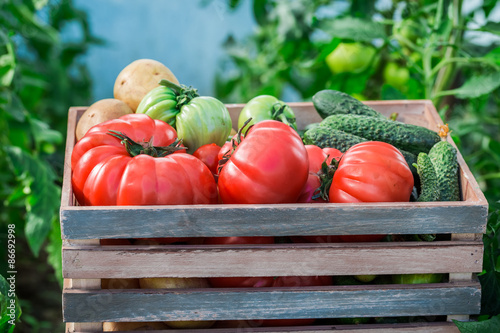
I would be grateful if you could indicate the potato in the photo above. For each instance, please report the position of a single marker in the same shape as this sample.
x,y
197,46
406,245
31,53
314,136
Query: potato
x,y
138,78
125,326
100,111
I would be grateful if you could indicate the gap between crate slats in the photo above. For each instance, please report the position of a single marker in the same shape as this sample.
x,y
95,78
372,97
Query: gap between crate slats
x,y
269,260
375,328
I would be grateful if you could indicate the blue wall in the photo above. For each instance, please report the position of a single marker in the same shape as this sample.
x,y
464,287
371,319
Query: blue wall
x,y
184,35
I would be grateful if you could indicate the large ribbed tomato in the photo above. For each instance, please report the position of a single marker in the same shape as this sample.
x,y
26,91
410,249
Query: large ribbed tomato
x,y
115,164
372,171
270,165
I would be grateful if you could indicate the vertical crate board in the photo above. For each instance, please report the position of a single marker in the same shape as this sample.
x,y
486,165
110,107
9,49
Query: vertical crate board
x,y
418,112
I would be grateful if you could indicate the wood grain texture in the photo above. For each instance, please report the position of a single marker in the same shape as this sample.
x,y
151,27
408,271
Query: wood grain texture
x,y
272,260
438,327
275,220
271,303
87,284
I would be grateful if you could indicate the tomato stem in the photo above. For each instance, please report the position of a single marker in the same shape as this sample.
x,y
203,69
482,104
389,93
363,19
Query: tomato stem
x,y
279,113
326,174
235,141
147,148
184,94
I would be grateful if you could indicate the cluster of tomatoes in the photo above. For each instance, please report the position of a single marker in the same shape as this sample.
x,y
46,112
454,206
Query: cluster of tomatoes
x,y
136,160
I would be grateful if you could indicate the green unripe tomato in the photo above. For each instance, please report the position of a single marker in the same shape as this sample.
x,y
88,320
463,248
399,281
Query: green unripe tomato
x,y
396,76
417,278
407,31
350,57
266,107
365,278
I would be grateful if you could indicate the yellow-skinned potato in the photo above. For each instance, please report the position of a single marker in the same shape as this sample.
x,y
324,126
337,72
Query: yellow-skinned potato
x,y
138,78
99,112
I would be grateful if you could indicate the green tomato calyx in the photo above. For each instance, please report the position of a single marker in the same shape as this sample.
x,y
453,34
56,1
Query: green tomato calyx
x,y
282,112
235,142
325,174
146,147
184,94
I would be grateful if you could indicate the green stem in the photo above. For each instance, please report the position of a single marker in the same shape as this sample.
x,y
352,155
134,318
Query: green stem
x,y
280,114
184,93
147,148
446,73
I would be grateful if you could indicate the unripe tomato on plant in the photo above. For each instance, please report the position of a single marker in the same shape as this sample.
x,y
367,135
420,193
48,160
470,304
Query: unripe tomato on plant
x,y
350,57
396,76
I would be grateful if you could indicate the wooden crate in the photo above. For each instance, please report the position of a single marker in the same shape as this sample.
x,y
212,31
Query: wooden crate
x,y
85,262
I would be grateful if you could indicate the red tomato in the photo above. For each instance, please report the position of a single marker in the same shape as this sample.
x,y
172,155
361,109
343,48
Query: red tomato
x,y
338,238
240,282
105,172
239,240
317,156
372,171
310,189
294,281
270,165
208,155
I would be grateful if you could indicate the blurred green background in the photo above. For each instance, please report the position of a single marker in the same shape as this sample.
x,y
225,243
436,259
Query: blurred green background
x,y
57,54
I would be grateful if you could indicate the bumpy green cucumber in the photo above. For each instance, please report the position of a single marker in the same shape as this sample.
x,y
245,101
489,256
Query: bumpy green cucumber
x,y
412,138
429,189
444,159
328,102
324,137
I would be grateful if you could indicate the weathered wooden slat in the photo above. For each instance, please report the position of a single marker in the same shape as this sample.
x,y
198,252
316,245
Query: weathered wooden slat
x,y
271,303
88,284
437,327
276,220
272,260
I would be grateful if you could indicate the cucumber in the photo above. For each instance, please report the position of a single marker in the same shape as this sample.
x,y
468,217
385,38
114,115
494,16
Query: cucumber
x,y
429,189
412,138
329,102
324,137
444,159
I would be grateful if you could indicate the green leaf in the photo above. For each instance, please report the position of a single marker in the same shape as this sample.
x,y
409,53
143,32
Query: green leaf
x,y
43,133
391,93
476,86
54,248
5,302
490,278
42,204
7,60
490,325
354,28
494,55
492,27
260,11
12,105
39,4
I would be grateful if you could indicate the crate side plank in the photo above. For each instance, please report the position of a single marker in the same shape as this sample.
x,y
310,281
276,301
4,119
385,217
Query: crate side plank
x,y
271,260
270,303
276,220
436,327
